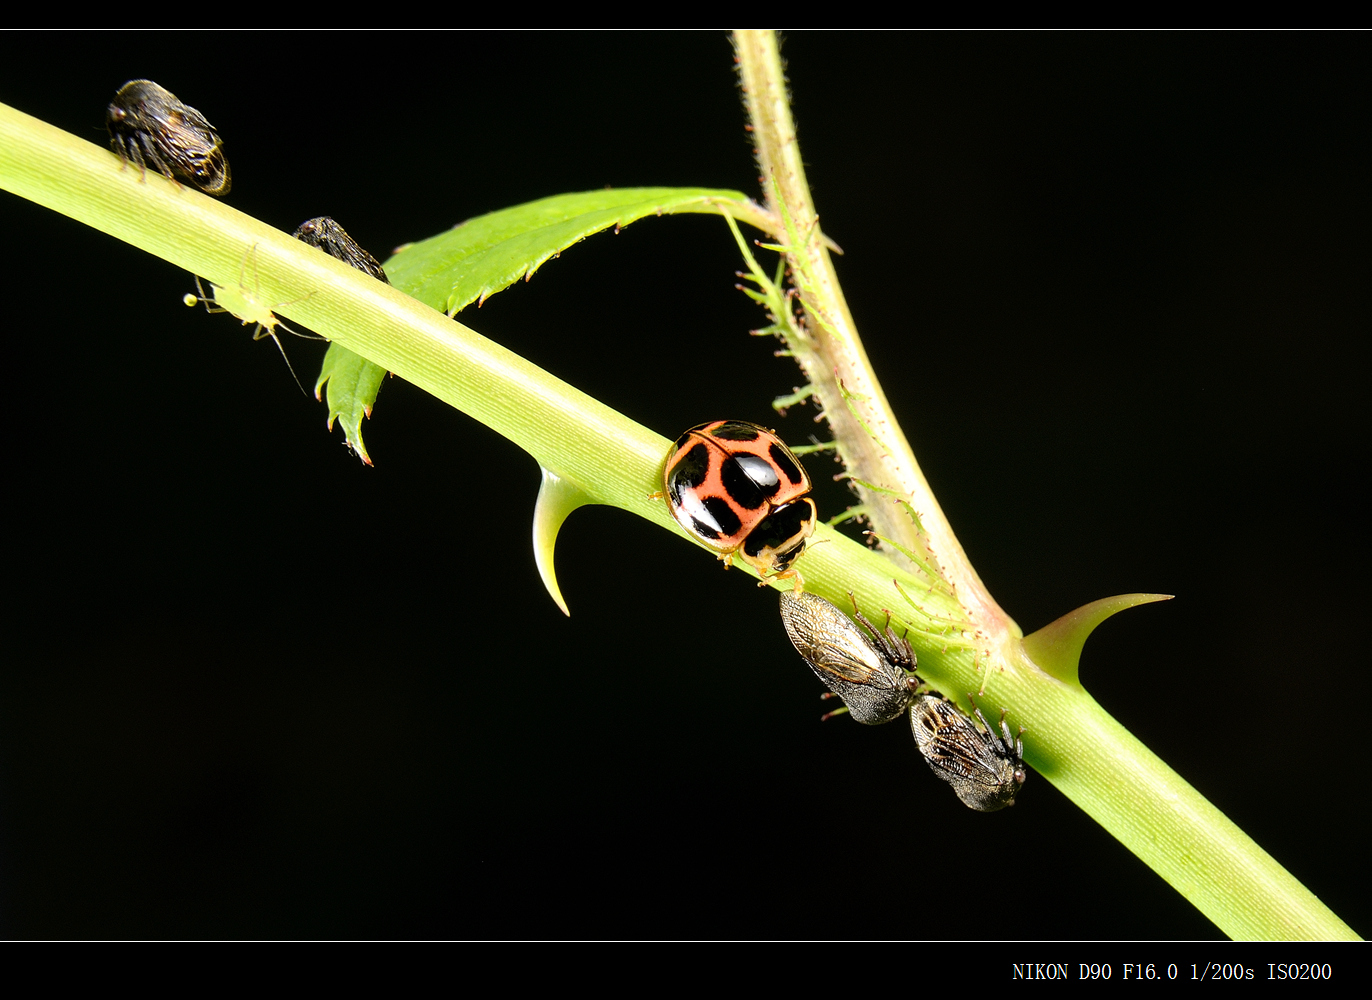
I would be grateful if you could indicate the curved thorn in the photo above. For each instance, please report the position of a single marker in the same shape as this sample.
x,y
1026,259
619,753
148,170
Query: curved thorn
x,y
557,498
1056,648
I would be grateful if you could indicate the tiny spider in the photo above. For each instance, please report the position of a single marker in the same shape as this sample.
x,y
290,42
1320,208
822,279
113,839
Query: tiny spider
x,y
248,307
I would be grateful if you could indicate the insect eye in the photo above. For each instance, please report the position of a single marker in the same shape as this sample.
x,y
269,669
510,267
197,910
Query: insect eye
x,y
117,113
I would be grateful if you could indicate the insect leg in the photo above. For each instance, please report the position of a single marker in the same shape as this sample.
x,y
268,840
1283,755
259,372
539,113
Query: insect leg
x,y
151,149
242,266
121,151
881,645
838,711
1012,743
984,724
129,151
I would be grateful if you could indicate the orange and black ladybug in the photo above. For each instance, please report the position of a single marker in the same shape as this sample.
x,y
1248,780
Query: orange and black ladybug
x,y
737,488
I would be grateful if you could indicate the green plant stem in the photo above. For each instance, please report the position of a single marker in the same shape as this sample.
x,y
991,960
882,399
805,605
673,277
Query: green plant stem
x,y
1075,744
871,443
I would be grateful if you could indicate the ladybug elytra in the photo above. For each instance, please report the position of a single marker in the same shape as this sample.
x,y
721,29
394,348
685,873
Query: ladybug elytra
x,y
737,488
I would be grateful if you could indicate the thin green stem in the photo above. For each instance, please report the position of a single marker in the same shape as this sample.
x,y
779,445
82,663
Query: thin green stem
x,y
871,442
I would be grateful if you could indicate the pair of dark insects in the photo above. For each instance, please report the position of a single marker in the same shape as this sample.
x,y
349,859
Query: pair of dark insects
x,y
149,125
873,672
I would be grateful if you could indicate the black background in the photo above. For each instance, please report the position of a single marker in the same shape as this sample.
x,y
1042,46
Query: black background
x,y
1115,286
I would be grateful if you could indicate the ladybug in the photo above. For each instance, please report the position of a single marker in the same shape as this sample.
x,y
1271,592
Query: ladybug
x,y
737,488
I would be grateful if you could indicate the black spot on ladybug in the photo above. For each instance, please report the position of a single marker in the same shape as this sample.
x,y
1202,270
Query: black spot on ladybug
x,y
786,463
782,561
735,430
690,470
749,480
726,521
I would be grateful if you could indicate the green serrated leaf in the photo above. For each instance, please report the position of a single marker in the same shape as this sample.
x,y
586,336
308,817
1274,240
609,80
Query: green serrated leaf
x,y
352,382
487,254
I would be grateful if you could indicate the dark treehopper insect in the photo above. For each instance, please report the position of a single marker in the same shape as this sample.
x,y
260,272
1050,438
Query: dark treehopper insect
x,y
246,305
325,234
984,769
873,673
330,237
148,125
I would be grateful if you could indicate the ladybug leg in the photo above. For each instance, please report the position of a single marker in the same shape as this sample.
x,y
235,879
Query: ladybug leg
x,y
659,495
798,582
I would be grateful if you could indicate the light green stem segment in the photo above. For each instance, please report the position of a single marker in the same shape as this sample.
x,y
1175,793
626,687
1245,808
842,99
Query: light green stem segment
x,y
1174,829
1185,839
610,459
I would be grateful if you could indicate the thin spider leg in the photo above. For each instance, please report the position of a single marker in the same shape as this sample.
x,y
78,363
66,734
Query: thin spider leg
x,y
264,332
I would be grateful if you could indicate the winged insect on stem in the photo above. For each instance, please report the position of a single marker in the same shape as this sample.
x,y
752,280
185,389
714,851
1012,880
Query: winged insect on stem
x,y
330,237
986,770
873,672
148,125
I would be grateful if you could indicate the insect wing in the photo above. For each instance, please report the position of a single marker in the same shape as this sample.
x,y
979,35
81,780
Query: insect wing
x,y
874,686
829,641
951,743
189,143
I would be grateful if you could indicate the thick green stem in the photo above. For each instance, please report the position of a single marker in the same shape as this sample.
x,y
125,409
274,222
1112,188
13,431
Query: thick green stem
x,y
614,460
